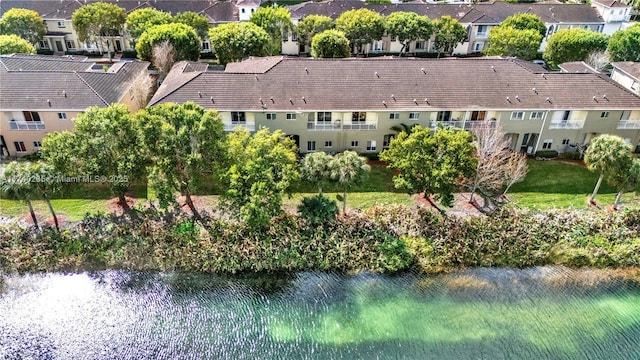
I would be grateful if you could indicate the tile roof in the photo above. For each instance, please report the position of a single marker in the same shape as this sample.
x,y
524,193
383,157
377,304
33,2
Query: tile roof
x,y
37,84
305,84
629,67
611,3
482,13
577,67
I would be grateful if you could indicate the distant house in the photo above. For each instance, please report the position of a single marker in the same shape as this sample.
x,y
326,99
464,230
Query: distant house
x,y
627,74
615,14
41,94
539,110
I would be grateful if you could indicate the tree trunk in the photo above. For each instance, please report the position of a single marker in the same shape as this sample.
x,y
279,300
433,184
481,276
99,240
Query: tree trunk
x,y
191,206
33,214
109,41
473,191
618,197
435,206
320,190
122,201
592,200
344,201
53,213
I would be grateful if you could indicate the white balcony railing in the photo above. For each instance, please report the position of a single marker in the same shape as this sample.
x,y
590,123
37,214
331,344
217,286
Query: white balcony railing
x,y
629,124
26,125
566,124
232,126
471,124
360,126
447,124
323,126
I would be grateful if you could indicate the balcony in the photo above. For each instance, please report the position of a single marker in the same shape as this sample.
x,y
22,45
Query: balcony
x,y
448,124
323,126
470,125
26,125
628,124
566,124
360,126
233,125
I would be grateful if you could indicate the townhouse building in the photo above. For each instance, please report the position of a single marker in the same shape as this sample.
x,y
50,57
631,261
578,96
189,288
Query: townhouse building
x,y
42,94
338,104
627,74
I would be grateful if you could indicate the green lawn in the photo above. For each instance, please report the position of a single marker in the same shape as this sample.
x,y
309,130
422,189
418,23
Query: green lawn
x,y
549,184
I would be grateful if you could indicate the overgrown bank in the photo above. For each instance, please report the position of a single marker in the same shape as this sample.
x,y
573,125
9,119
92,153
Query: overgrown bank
x,y
385,239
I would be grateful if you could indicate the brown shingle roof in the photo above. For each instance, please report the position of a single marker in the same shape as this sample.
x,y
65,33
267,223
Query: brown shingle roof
x,y
303,84
611,3
577,67
629,67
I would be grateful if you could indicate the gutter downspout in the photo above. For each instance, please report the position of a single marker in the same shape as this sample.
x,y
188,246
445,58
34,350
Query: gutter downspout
x,y
544,121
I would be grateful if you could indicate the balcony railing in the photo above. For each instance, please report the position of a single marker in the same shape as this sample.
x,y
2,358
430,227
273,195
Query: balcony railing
x,y
360,126
629,124
567,124
323,126
447,124
474,124
232,126
26,125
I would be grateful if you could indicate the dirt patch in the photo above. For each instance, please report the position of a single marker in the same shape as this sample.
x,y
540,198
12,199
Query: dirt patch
x,y
114,206
461,205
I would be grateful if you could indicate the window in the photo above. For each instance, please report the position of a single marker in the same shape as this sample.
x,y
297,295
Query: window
x,y
517,115
599,28
354,143
271,116
621,11
414,115
285,34
634,86
243,10
444,116
482,30
536,115
31,116
328,144
478,115
420,45
62,116
611,12
393,38
324,116
205,46
371,145
566,115
358,116
44,44
604,114
71,44
294,36
546,145
37,144
387,140
565,141
550,31
394,116
311,146
60,24
291,116
20,146
238,117
477,47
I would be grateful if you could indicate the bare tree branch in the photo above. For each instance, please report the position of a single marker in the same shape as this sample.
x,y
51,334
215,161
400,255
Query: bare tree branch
x,y
598,60
141,90
163,57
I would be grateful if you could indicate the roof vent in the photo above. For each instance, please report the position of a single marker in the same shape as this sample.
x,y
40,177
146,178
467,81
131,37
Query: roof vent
x,y
544,76
64,93
306,70
213,101
605,97
49,102
199,94
272,101
595,99
291,101
261,102
305,100
415,101
549,100
384,103
493,68
426,100
508,100
517,97
423,71
378,75
535,91
393,97
256,76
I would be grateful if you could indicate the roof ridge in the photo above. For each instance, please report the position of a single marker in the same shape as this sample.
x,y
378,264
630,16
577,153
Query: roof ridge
x,y
176,88
91,87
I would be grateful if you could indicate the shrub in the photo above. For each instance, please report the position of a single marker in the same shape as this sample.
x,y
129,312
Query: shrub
x,y
547,154
574,155
44,51
318,209
130,54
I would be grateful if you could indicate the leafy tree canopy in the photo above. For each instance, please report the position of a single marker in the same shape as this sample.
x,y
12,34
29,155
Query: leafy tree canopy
x,y
235,41
507,41
98,20
431,162
525,22
24,23
139,20
274,20
449,33
348,169
361,26
624,45
199,22
183,38
330,44
13,44
610,156
573,45
407,27
311,25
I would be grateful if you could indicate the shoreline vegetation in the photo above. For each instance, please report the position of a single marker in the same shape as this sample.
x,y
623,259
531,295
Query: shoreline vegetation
x,y
385,239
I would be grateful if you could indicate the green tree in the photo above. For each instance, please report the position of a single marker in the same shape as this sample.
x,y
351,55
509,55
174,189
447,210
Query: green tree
x,y
183,39
408,27
348,169
104,145
431,162
263,169
24,23
99,21
45,182
624,45
449,33
626,178
361,27
608,155
16,184
13,44
185,145
330,44
316,169
508,41
139,20
235,41
524,21
275,21
573,45
311,25
199,22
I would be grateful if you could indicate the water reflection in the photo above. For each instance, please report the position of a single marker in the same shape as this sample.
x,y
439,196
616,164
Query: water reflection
x,y
539,313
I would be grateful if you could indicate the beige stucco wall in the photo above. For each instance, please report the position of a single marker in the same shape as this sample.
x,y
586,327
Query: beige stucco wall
x,y
51,123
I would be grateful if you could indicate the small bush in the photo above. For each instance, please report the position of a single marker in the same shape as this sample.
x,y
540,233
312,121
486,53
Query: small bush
x,y
547,154
571,155
371,156
44,51
129,54
318,209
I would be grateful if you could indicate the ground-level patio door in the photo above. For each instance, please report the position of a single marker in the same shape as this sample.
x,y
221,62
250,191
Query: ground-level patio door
x,y
529,143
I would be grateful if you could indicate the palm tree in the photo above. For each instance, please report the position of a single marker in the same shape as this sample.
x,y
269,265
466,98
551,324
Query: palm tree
x,y
402,127
43,177
609,155
16,184
316,168
347,169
